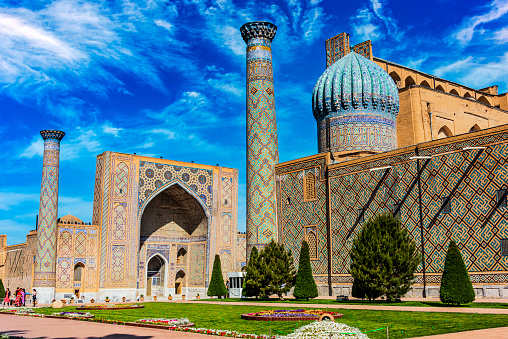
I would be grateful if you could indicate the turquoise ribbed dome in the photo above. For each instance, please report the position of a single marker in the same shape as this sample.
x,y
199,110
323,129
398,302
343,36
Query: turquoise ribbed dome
x,y
354,83
355,103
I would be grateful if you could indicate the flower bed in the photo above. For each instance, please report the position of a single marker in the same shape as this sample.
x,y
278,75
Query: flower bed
x,y
223,333
73,315
288,315
323,329
162,323
108,307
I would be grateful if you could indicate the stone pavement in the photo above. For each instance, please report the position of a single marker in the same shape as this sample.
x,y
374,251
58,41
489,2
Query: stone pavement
x,y
491,333
32,327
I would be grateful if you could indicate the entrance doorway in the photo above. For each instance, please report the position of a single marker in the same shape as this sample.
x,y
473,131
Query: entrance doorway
x,y
79,272
155,276
179,282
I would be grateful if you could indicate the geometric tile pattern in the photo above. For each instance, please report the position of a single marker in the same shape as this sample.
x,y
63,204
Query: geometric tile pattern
x,y
119,219
80,244
336,48
64,273
197,265
45,263
117,264
154,177
262,148
65,244
227,185
471,202
225,260
226,229
295,213
121,179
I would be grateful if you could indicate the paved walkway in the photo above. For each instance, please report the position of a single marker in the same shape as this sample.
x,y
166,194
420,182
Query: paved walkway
x,y
491,333
362,307
32,327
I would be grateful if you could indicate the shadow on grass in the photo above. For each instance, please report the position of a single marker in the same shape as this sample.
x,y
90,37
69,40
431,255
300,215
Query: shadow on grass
x,y
22,334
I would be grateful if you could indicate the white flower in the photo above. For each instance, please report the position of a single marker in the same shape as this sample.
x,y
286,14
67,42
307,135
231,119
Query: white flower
x,y
322,329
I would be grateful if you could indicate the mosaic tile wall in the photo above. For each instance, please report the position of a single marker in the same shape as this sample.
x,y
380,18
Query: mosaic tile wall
x,y
336,48
295,214
76,244
471,203
45,262
262,148
469,177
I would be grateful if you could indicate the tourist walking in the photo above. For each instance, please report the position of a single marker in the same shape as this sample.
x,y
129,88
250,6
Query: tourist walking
x,y
7,298
34,297
17,301
23,295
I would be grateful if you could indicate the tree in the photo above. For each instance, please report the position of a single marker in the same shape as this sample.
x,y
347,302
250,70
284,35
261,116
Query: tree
x,y
278,270
252,282
217,287
2,290
384,258
456,287
305,286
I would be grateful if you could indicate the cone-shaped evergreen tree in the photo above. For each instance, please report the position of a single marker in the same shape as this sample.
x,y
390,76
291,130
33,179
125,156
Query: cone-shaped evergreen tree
x,y
252,282
2,290
357,291
456,287
278,270
305,286
217,287
384,258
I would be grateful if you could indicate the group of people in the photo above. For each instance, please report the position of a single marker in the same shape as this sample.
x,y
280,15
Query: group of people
x,y
20,297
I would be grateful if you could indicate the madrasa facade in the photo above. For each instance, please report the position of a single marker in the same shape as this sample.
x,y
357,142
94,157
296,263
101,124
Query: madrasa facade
x,y
390,139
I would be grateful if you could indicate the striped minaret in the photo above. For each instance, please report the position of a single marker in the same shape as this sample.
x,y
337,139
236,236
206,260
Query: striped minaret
x,y
262,149
45,263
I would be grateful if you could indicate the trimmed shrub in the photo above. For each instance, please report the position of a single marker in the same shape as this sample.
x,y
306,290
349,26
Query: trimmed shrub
x,y
276,265
456,287
305,286
217,287
2,290
252,282
383,258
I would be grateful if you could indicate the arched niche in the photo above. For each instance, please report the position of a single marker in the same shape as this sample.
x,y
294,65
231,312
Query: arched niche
x,y
444,132
409,81
79,272
424,83
173,213
181,256
440,88
396,78
155,274
179,282
467,95
475,128
483,100
454,92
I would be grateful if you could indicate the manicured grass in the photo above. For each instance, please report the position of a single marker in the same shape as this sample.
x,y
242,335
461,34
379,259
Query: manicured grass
x,y
227,317
365,302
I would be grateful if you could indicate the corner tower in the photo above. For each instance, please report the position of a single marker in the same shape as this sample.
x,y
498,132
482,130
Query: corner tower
x,y
45,264
262,148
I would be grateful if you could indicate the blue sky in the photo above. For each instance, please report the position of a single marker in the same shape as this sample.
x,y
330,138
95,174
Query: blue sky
x,y
167,78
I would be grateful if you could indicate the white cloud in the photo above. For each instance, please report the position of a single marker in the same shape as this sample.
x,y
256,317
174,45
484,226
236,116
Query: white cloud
x,y
108,129
170,134
36,148
501,36
465,33
164,24
458,65
363,27
10,199
375,22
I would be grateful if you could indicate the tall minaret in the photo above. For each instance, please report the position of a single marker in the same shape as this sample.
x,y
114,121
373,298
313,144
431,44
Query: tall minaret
x,y
45,264
262,148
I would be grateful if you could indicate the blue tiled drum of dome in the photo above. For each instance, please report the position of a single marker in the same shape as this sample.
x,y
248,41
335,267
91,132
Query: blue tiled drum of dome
x,y
355,103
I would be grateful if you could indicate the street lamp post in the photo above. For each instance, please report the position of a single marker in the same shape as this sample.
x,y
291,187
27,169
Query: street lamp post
x,y
418,158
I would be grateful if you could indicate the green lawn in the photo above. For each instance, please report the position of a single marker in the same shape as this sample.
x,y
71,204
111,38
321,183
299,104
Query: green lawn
x,y
366,302
227,317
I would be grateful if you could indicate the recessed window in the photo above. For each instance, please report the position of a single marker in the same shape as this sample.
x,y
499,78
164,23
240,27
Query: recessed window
x,y
309,187
446,205
501,197
288,201
504,247
225,201
396,210
361,215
